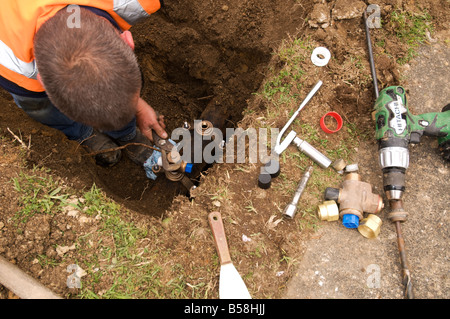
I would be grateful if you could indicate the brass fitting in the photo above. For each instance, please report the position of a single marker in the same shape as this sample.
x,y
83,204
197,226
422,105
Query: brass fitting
x,y
174,176
328,211
355,197
370,226
174,157
204,128
339,165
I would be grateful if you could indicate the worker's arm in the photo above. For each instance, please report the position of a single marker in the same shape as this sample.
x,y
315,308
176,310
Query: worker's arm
x,y
147,120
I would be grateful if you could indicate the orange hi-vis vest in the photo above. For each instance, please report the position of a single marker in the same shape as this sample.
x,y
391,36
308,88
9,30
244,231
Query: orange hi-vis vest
x,y
21,19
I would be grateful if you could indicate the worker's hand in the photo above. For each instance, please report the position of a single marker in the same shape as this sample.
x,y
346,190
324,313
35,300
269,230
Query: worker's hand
x,y
148,121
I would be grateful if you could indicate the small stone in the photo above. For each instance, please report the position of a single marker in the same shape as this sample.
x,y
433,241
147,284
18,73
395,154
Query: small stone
x,y
61,250
348,9
84,219
73,213
320,16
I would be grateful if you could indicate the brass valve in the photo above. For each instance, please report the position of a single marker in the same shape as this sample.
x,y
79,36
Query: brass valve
x,y
354,198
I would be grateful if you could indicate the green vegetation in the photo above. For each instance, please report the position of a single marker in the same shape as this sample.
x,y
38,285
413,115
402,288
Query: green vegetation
x,y
123,257
40,194
411,29
284,85
120,258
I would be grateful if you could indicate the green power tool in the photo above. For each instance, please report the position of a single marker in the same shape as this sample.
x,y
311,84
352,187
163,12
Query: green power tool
x,y
396,128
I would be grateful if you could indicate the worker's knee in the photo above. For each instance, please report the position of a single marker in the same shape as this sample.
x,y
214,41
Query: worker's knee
x,y
37,108
30,105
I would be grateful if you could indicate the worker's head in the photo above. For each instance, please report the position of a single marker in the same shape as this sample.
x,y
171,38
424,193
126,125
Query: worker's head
x,y
90,72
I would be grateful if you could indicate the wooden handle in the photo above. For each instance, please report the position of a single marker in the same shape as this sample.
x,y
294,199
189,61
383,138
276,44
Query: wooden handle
x,y
215,221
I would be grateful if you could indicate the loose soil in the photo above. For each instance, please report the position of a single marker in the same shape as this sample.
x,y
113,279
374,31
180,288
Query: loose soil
x,y
192,53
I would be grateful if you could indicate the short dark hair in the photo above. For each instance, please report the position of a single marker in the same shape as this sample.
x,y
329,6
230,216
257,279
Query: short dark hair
x,y
89,73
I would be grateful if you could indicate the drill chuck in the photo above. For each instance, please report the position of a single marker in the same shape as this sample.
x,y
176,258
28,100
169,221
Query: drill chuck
x,y
394,161
394,182
394,157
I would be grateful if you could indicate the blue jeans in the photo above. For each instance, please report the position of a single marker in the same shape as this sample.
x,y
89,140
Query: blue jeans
x,y
43,111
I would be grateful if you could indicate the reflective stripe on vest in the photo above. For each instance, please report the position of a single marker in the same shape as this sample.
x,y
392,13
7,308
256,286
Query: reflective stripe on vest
x,y
130,10
10,61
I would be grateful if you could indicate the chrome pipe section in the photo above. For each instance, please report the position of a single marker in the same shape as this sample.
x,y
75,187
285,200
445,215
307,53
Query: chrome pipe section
x,y
304,147
291,209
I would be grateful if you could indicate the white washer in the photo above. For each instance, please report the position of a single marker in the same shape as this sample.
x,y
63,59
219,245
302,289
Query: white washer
x,y
319,61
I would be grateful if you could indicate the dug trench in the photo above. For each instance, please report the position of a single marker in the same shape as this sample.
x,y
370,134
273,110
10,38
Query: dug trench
x,y
191,56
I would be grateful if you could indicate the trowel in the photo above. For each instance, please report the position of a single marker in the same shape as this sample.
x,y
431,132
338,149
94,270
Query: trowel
x,y
231,285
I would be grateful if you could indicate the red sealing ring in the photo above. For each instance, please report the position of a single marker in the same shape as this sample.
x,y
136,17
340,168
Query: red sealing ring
x,y
338,119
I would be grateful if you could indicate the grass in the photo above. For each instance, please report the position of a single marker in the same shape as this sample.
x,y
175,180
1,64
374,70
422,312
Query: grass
x,y
40,194
285,84
411,28
122,260
131,269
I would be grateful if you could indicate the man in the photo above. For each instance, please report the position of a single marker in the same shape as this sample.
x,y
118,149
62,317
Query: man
x,y
72,67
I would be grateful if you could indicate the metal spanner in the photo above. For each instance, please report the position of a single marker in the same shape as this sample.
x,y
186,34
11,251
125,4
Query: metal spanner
x,y
302,145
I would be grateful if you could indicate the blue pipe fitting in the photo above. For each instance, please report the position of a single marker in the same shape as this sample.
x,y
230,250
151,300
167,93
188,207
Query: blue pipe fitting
x,y
350,221
188,168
